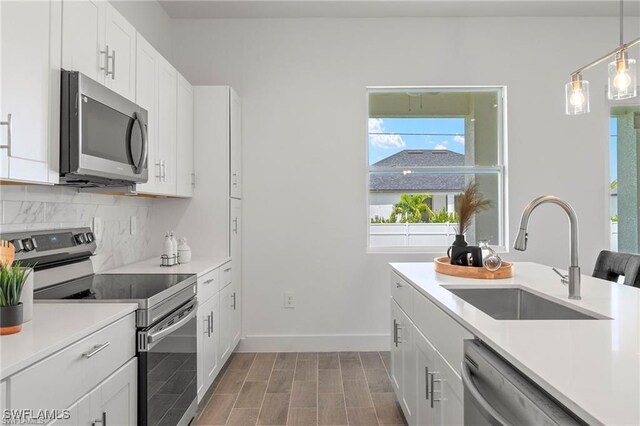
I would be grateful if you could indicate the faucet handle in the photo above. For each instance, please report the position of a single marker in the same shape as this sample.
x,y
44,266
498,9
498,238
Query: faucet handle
x,y
564,279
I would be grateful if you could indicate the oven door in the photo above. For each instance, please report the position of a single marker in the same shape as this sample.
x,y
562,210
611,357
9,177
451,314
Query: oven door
x,y
167,369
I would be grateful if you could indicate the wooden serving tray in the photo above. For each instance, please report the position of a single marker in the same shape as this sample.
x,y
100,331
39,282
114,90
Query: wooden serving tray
x,y
443,265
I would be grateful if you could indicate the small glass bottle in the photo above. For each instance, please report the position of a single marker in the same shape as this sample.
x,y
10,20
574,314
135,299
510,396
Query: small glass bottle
x,y
490,259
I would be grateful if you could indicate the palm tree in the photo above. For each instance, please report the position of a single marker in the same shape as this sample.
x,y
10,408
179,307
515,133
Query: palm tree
x,y
411,208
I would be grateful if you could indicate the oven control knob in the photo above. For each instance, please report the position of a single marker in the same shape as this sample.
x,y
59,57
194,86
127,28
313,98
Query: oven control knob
x,y
28,244
80,238
18,245
90,237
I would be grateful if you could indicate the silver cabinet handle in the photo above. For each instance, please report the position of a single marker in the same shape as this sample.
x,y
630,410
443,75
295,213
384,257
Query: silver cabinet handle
x,y
164,170
426,380
113,65
234,300
95,350
395,332
235,225
9,130
208,325
105,68
159,171
235,178
211,322
208,281
433,380
102,421
227,270
398,285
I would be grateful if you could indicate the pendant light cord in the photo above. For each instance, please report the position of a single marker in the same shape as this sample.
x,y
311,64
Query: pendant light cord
x,y
621,22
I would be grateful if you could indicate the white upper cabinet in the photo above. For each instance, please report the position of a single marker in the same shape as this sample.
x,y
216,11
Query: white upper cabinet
x,y
98,42
184,166
83,37
167,129
29,90
235,121
121,44
147,66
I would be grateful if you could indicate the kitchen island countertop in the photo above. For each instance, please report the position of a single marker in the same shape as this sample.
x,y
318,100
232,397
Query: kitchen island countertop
x,y
591,366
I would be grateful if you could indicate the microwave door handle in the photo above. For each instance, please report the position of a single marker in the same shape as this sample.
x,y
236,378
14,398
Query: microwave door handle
x,y
485,408
145,143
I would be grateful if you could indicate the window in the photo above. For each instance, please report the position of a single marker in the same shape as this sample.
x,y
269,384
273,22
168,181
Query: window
x,y
624,202
424,146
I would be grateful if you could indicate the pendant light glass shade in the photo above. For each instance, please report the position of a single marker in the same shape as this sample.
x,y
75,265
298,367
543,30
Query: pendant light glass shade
x,y
577,96
622,77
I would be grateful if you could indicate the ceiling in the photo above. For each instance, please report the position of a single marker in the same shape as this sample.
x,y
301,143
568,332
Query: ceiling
x,y
212,9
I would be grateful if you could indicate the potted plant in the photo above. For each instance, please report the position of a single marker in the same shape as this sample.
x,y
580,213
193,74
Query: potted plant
x,y
12,280
469,203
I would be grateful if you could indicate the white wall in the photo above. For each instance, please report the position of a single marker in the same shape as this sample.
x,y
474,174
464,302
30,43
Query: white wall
x,y
304,127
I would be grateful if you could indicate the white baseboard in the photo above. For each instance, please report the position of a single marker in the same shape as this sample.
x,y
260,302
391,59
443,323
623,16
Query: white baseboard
x,y
314,343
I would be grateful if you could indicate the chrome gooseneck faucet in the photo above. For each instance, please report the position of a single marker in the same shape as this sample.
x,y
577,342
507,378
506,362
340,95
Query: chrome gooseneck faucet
x,y
521,240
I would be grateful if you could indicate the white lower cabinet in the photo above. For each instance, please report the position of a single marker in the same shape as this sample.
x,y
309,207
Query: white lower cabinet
x,y
208,335
428,388
219,323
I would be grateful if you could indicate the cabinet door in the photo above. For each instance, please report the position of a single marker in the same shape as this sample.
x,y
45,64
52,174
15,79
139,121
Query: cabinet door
x,y
167,94
235,123
448,394
425,413
115,400
396,349
208,334
29,96
185,138
409,374
147,68
224,335
235,242
121,39
236,314
83,43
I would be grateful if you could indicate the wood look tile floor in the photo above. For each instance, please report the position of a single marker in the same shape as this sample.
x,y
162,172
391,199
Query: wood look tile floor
x,y
306,388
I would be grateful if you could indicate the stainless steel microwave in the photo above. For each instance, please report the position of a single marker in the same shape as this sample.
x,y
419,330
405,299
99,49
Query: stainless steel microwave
x,y
103,136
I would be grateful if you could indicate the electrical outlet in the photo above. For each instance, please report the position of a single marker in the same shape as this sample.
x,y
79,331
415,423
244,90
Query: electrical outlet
x,y
289,300
133,225
97,227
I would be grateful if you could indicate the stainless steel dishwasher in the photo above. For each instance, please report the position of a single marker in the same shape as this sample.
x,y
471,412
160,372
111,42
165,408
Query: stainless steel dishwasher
x,y
495,393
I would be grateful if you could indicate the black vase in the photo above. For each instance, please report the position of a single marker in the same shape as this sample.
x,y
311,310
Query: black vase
x,y
10,319
457,248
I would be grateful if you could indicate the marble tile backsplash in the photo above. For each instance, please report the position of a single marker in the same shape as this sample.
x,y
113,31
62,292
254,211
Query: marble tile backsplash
x,y
44,207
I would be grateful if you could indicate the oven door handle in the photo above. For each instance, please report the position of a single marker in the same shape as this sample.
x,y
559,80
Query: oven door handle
x,y
155,337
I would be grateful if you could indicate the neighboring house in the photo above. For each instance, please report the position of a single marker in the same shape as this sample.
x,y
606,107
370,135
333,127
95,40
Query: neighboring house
x,y
385,188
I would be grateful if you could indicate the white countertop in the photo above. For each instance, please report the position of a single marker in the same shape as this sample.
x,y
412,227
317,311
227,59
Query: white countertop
x,y
591,366
55,326
199,265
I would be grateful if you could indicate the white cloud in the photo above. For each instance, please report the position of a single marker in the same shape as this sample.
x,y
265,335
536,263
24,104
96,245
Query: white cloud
x,y
440,146
459,139
376,125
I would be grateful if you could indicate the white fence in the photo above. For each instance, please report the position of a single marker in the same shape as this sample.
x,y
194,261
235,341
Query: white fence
x,y
411,234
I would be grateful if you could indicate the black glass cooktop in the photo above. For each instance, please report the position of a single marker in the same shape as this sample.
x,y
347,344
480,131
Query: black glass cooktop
x,y
114,287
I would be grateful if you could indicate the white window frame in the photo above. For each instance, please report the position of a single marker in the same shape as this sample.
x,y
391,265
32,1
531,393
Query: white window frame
x,y
501,170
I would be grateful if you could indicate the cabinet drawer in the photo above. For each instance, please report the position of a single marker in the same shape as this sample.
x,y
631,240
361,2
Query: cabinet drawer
x,y
402,292
444,333
65,376
225,275
208,285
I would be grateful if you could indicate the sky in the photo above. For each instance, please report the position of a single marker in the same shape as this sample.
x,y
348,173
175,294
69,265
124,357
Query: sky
x,y
388,136
613,150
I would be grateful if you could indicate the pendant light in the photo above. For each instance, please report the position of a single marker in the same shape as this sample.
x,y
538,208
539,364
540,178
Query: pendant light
x,y
622,83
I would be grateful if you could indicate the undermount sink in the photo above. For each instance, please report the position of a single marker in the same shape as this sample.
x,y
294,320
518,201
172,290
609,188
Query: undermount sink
x,y
514,303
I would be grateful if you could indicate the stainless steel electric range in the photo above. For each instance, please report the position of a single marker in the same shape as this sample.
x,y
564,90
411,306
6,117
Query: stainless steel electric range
x,y
166,325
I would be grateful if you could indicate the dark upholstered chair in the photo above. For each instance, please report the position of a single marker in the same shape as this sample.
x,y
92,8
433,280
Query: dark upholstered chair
x,y
610,265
